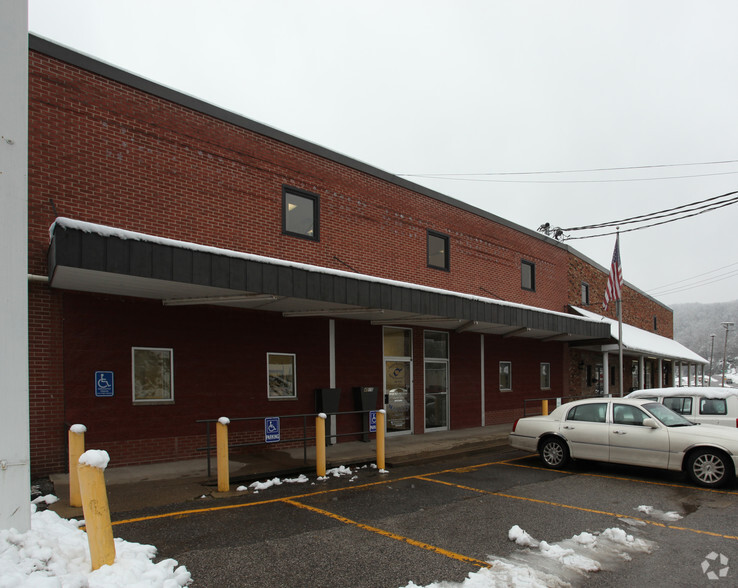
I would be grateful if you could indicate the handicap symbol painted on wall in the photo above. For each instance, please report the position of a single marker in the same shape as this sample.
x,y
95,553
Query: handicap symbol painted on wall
x,y
104,384
372,421
271,429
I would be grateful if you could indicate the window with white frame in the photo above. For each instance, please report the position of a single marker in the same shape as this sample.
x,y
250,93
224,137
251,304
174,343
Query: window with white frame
x,y
585,294
281,376
153,375
545,376
505,375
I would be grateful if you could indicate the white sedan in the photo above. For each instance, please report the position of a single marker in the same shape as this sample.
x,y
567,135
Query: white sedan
x,y
633,432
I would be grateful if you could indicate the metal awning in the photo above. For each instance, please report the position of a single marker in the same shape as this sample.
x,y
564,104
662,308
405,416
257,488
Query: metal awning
x,y
641,342
90,257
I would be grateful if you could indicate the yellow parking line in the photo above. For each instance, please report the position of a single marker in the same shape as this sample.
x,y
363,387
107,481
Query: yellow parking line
x,y
611,477
184,513
579,508
413,542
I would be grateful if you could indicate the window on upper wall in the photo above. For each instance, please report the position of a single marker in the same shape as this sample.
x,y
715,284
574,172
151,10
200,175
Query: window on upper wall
x,y
585,294
505,375
528,275
300,214
655,323
153,375
438,251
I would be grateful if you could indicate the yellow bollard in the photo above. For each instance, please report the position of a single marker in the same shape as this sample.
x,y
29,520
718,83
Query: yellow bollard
x,y
76,436
380,439
95,507
221,437
544,407
320,445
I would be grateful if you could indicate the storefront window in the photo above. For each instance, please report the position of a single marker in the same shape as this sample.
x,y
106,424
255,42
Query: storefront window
x,y
281,376
505,375
153,379
545,376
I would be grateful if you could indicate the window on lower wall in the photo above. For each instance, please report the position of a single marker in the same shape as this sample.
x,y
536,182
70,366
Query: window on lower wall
x,y
528,275
505,375
545,376
153,375
281,376
300,214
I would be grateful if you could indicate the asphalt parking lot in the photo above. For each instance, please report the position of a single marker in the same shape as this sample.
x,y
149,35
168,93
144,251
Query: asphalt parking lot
x,y
444,520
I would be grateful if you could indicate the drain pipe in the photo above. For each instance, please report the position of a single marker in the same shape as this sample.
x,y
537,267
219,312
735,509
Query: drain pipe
x,y
37,278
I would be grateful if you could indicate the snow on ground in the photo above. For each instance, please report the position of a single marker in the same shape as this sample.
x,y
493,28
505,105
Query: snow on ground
x,y
553,565
56,553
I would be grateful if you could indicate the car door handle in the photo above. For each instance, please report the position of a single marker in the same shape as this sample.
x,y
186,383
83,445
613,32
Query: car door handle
x,y
568,428
619,432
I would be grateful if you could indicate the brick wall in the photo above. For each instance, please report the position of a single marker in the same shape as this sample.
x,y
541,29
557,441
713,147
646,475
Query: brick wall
x,y
638,310
106,153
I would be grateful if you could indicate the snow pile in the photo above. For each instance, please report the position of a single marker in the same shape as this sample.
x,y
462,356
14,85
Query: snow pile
x,y
553,565
257,486
95,458
55,553
336,473
668,517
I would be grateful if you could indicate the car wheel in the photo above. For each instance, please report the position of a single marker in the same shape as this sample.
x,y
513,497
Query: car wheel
x,y
709,468
554,452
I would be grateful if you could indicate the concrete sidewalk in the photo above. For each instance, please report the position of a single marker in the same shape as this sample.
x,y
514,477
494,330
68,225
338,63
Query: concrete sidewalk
x,y
132,488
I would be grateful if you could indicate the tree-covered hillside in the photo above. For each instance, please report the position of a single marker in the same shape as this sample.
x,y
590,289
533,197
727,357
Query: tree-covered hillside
x,y
695,322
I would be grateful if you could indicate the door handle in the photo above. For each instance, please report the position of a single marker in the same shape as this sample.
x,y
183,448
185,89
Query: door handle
x,y
619,432
568,428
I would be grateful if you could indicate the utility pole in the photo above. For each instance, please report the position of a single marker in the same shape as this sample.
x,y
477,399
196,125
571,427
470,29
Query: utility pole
x,y
726,326
712,349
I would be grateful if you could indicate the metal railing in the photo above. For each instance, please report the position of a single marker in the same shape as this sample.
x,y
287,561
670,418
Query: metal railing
x,y
534,406
210,446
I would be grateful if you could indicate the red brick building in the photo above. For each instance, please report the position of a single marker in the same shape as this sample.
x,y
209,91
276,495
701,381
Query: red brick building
x,y
186,263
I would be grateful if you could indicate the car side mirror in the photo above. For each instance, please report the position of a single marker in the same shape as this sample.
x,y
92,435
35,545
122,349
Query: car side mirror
x,y
650,423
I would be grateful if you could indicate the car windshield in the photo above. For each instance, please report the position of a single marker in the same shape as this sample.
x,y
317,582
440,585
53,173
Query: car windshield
x,y
667,416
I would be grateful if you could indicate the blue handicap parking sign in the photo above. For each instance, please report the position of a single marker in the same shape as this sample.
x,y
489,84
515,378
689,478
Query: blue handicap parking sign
x,y
104,384
372,421
271,429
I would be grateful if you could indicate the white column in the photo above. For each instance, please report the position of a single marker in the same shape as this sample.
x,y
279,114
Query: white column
x,y
481,350
641,374
661,373
606,373
15,445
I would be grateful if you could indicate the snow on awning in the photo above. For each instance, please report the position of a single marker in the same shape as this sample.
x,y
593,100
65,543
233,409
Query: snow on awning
x,y
640,341
91,257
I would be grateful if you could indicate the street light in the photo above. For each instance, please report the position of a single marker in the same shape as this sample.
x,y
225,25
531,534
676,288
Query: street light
x,y
712,348
726,326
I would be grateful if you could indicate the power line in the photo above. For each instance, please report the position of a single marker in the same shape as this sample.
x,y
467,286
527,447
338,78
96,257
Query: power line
x,y
692,277
697,285
716,207
606,181
680,212
574,171
658,214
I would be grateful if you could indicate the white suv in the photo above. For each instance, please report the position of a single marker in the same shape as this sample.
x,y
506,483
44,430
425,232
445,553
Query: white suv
x,y
709,405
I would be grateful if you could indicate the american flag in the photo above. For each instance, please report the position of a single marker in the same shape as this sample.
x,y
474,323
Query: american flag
x,y
615,281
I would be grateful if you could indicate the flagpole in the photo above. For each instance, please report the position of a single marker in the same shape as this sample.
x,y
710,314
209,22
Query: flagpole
x,y
620,323
620,343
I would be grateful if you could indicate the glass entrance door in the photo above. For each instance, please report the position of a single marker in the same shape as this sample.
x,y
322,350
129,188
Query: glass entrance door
x,y
397,399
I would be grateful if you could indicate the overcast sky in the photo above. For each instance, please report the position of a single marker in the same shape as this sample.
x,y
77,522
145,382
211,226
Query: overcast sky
x,y
484,88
